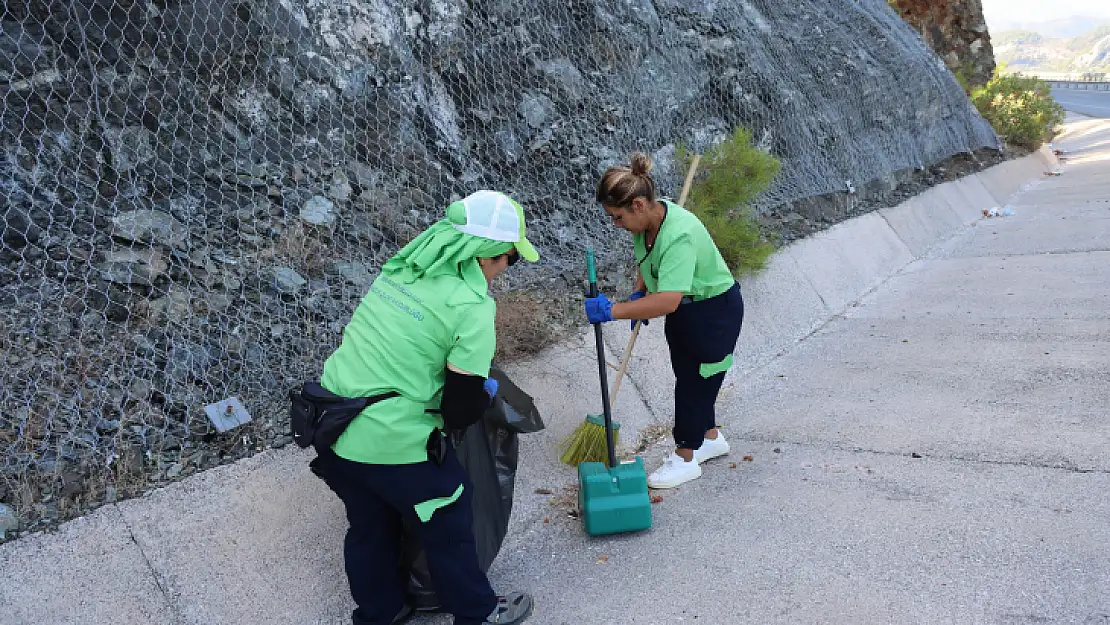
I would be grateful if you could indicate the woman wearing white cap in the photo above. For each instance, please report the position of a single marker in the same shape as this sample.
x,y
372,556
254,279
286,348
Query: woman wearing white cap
x,y
420,344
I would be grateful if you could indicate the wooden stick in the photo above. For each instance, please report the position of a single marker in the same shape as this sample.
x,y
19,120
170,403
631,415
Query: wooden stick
x,y
689,179
624,364
636,328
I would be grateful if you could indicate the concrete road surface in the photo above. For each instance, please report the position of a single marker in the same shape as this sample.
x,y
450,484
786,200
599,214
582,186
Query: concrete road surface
x,y
1090,103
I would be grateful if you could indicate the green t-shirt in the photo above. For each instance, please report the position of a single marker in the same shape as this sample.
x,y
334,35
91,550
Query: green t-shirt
x,y
684,257
401,338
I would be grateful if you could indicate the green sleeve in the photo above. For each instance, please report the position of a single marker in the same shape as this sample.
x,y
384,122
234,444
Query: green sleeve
x,y
676,267
475,340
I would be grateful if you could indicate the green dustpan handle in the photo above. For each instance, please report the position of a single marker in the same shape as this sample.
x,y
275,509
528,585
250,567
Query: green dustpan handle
x,y
591,271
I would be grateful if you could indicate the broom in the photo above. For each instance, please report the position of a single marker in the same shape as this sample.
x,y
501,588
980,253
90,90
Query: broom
x,y
588,441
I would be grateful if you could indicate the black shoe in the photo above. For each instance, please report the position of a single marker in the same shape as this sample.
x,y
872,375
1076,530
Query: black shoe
x,y
404,615
511,609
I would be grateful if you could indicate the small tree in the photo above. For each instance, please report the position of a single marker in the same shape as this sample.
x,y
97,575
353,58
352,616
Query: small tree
x,y
1020,108
730,177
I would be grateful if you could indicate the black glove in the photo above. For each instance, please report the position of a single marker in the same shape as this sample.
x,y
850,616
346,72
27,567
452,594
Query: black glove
x,y
465,399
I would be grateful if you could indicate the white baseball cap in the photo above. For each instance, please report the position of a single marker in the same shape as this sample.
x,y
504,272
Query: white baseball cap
x,y
495,216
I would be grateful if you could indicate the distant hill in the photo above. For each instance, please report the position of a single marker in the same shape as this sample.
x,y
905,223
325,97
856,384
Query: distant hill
x,y
1063,28
1034,50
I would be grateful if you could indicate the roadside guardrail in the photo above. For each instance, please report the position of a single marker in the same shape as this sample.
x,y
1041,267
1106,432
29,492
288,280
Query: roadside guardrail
x,y
1079,84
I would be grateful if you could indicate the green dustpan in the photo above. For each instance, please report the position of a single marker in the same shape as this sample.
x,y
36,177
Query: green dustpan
x,y
612,498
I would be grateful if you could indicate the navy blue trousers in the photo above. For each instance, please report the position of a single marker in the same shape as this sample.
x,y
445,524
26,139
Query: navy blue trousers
x,y
698,333
377,497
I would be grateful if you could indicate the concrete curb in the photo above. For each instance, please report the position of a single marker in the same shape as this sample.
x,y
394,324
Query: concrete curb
x,y
90,571
1007,179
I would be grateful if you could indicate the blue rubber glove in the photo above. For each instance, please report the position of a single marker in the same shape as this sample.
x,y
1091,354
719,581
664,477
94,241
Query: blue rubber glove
x,y
599,309
491,388
635,296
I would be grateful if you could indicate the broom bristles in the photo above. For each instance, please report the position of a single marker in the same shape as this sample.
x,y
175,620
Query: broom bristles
x,y
587,444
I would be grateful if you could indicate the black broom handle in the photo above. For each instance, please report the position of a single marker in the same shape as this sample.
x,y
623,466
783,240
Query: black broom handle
x,y
602,373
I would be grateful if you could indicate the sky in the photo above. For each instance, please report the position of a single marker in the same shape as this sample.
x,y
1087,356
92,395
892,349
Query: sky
x,y
999,11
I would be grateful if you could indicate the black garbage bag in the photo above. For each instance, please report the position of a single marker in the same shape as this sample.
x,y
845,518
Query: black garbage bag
x,y
488,450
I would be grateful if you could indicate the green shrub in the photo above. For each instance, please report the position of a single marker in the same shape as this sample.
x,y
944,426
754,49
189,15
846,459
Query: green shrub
x,y
1020,108
729,177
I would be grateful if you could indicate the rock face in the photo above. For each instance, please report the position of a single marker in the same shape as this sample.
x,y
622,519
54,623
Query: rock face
x,y
197,192
1097,57
957,32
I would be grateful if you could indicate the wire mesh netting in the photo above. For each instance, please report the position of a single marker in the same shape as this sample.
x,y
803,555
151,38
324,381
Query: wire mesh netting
x,y
197,193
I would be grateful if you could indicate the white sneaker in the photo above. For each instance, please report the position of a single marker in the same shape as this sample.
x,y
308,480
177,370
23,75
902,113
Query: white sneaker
x,y
674,471
711,448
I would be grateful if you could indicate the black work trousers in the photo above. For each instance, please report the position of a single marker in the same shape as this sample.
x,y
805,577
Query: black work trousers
x,y
699,335
377,497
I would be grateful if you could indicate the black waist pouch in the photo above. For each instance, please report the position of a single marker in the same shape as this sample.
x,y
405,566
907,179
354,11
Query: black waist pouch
x,y
318,417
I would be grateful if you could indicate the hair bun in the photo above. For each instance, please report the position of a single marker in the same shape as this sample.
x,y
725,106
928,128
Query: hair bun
x,y
641,164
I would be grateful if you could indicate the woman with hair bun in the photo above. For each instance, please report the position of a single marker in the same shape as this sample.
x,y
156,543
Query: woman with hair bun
x,y
681,275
